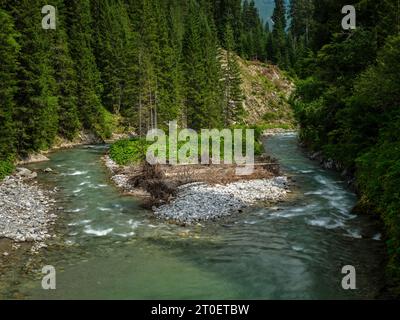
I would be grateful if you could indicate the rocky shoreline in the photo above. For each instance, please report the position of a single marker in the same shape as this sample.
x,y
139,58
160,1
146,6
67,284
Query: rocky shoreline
x,y
202,201
277,131
331,164
121,177
26,210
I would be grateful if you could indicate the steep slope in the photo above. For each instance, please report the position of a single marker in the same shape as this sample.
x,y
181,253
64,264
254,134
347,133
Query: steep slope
x,y
266,90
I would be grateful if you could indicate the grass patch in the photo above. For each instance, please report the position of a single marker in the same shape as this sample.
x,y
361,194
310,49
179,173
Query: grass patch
x,y
6,167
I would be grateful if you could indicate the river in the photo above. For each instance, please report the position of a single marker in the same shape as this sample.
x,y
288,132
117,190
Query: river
x,y
111,248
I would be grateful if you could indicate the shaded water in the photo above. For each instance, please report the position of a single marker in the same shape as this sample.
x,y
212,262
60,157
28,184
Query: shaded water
x,y
113,249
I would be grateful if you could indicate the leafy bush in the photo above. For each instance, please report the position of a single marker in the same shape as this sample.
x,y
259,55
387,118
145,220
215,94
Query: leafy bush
x,y
377,101
378,177
258,132
274,116
131,151
125,152
308,89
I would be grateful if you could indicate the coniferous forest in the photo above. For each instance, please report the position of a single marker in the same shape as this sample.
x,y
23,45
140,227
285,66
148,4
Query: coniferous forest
x,y
139,64
148,61
347,102
143,62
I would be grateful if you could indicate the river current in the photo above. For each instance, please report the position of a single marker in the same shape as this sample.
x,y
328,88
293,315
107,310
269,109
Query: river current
x,y
111,248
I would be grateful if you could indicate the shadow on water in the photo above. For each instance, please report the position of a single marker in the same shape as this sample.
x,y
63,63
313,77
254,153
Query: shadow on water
x,y
111,248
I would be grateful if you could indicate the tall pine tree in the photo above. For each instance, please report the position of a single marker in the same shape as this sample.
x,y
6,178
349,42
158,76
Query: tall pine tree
x,y
202,71
65,76
37,108
279,54
9,49
91,110
233,96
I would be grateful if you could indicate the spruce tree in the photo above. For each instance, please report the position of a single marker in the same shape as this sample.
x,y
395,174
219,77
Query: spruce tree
x,y
9,49
114,47
91,110
150,61
229,12
233,96
149,55
279,34
253,40
169,72
202,71
36,112
301,14
65,76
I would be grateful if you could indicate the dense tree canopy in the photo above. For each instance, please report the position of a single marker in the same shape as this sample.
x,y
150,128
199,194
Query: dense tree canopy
x,y
9,50
147,61
348,101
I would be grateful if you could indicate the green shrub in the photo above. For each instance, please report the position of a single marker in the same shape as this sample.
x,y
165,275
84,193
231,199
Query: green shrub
x,y
258,132
125,152
378,177
6,167
131,151
272,116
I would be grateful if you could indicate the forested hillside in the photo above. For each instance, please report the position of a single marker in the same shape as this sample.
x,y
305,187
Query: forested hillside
x,y
136,63
348,102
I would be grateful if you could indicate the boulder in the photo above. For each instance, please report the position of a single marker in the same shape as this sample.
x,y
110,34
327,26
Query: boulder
x,y
25,174
33,158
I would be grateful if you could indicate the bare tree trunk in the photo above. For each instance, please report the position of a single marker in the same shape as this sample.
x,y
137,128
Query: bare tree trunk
x,y
155,107
140,114
140,99
151,108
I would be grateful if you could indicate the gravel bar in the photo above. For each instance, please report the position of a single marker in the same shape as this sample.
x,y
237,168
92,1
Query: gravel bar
x,y
200,202
25,209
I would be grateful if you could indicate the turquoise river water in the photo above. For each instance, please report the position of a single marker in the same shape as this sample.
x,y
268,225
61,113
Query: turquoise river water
x,y
111,248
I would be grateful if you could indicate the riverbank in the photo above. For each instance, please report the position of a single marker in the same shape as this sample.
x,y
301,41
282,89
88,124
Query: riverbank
x,y
26,210
83,138
364,207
